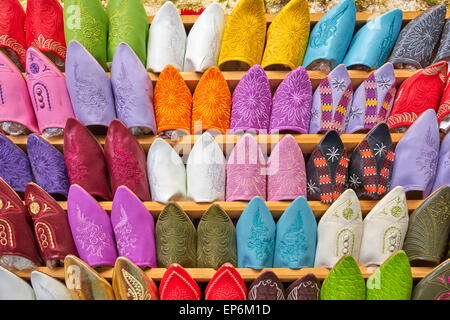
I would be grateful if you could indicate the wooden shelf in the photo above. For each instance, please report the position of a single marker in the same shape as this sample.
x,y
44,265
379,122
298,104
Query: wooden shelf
x,y
307,142
204,275
361,17
234,209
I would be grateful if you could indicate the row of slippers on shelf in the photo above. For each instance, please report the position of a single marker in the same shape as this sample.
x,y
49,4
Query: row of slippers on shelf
x,y
419,163
46,99
392,281
295,241
239,42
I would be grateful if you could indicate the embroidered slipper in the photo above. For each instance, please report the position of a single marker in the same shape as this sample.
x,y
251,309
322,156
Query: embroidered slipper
x,y
48,91
255,232
216,242
133,91
205,170
416,42
385,228
51,226
429,226
344,282
287,36
89,87
176,238
372,101
211,103
167,40
331,102
296,237
267,287
417,94
173,102
128,23
292,103
45,29
17,245
91,228
226,284
340,231
305,288
177,284
15,166
252,102
86,22
85,159
371,164
435,285
379,34
416,155
246,177
48,288
331,37
134,228
443,166
14,93
84,283
286,172
126,161
204,40
392,281
327,169
48,166
12,32
244,36
131,283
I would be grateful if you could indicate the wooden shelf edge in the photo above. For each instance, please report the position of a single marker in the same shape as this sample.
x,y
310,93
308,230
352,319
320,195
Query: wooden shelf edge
x,y
234,209
307,142
361,17
204,275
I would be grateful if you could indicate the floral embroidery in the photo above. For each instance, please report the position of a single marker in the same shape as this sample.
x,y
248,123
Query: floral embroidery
x,y
333,154
135,289
427,158
293,245
126,238
312,187
44,235
354,181
173,101
77,169
125,95
380,150
384,83
15,168
90,235
385,45
338,84
6,41
245,33
292,102
125,167
260,239
212,101
252,101
325,29
49,44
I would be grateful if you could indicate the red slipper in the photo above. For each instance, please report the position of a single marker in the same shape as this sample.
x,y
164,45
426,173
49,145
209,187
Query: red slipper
x,y
227,284
12,31
177,284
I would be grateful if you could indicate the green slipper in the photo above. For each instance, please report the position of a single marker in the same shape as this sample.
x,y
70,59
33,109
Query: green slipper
x,y
216,239
345,282
128,23
86,22
436,285
392,281
429,226
176,238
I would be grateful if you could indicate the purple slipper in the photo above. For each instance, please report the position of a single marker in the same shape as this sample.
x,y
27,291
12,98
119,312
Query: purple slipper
x,y
286,171
89,87
134,228
417,155
372,100
292,103
133,90
443,167
331,101
15,166
47,163
91,228
246,176
252,102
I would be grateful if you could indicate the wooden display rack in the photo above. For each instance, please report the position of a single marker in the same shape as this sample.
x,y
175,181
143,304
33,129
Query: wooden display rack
x,y
234,209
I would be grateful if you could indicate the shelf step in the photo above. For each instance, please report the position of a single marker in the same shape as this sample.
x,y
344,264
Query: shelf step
x,y
307,142
204,275
234,209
